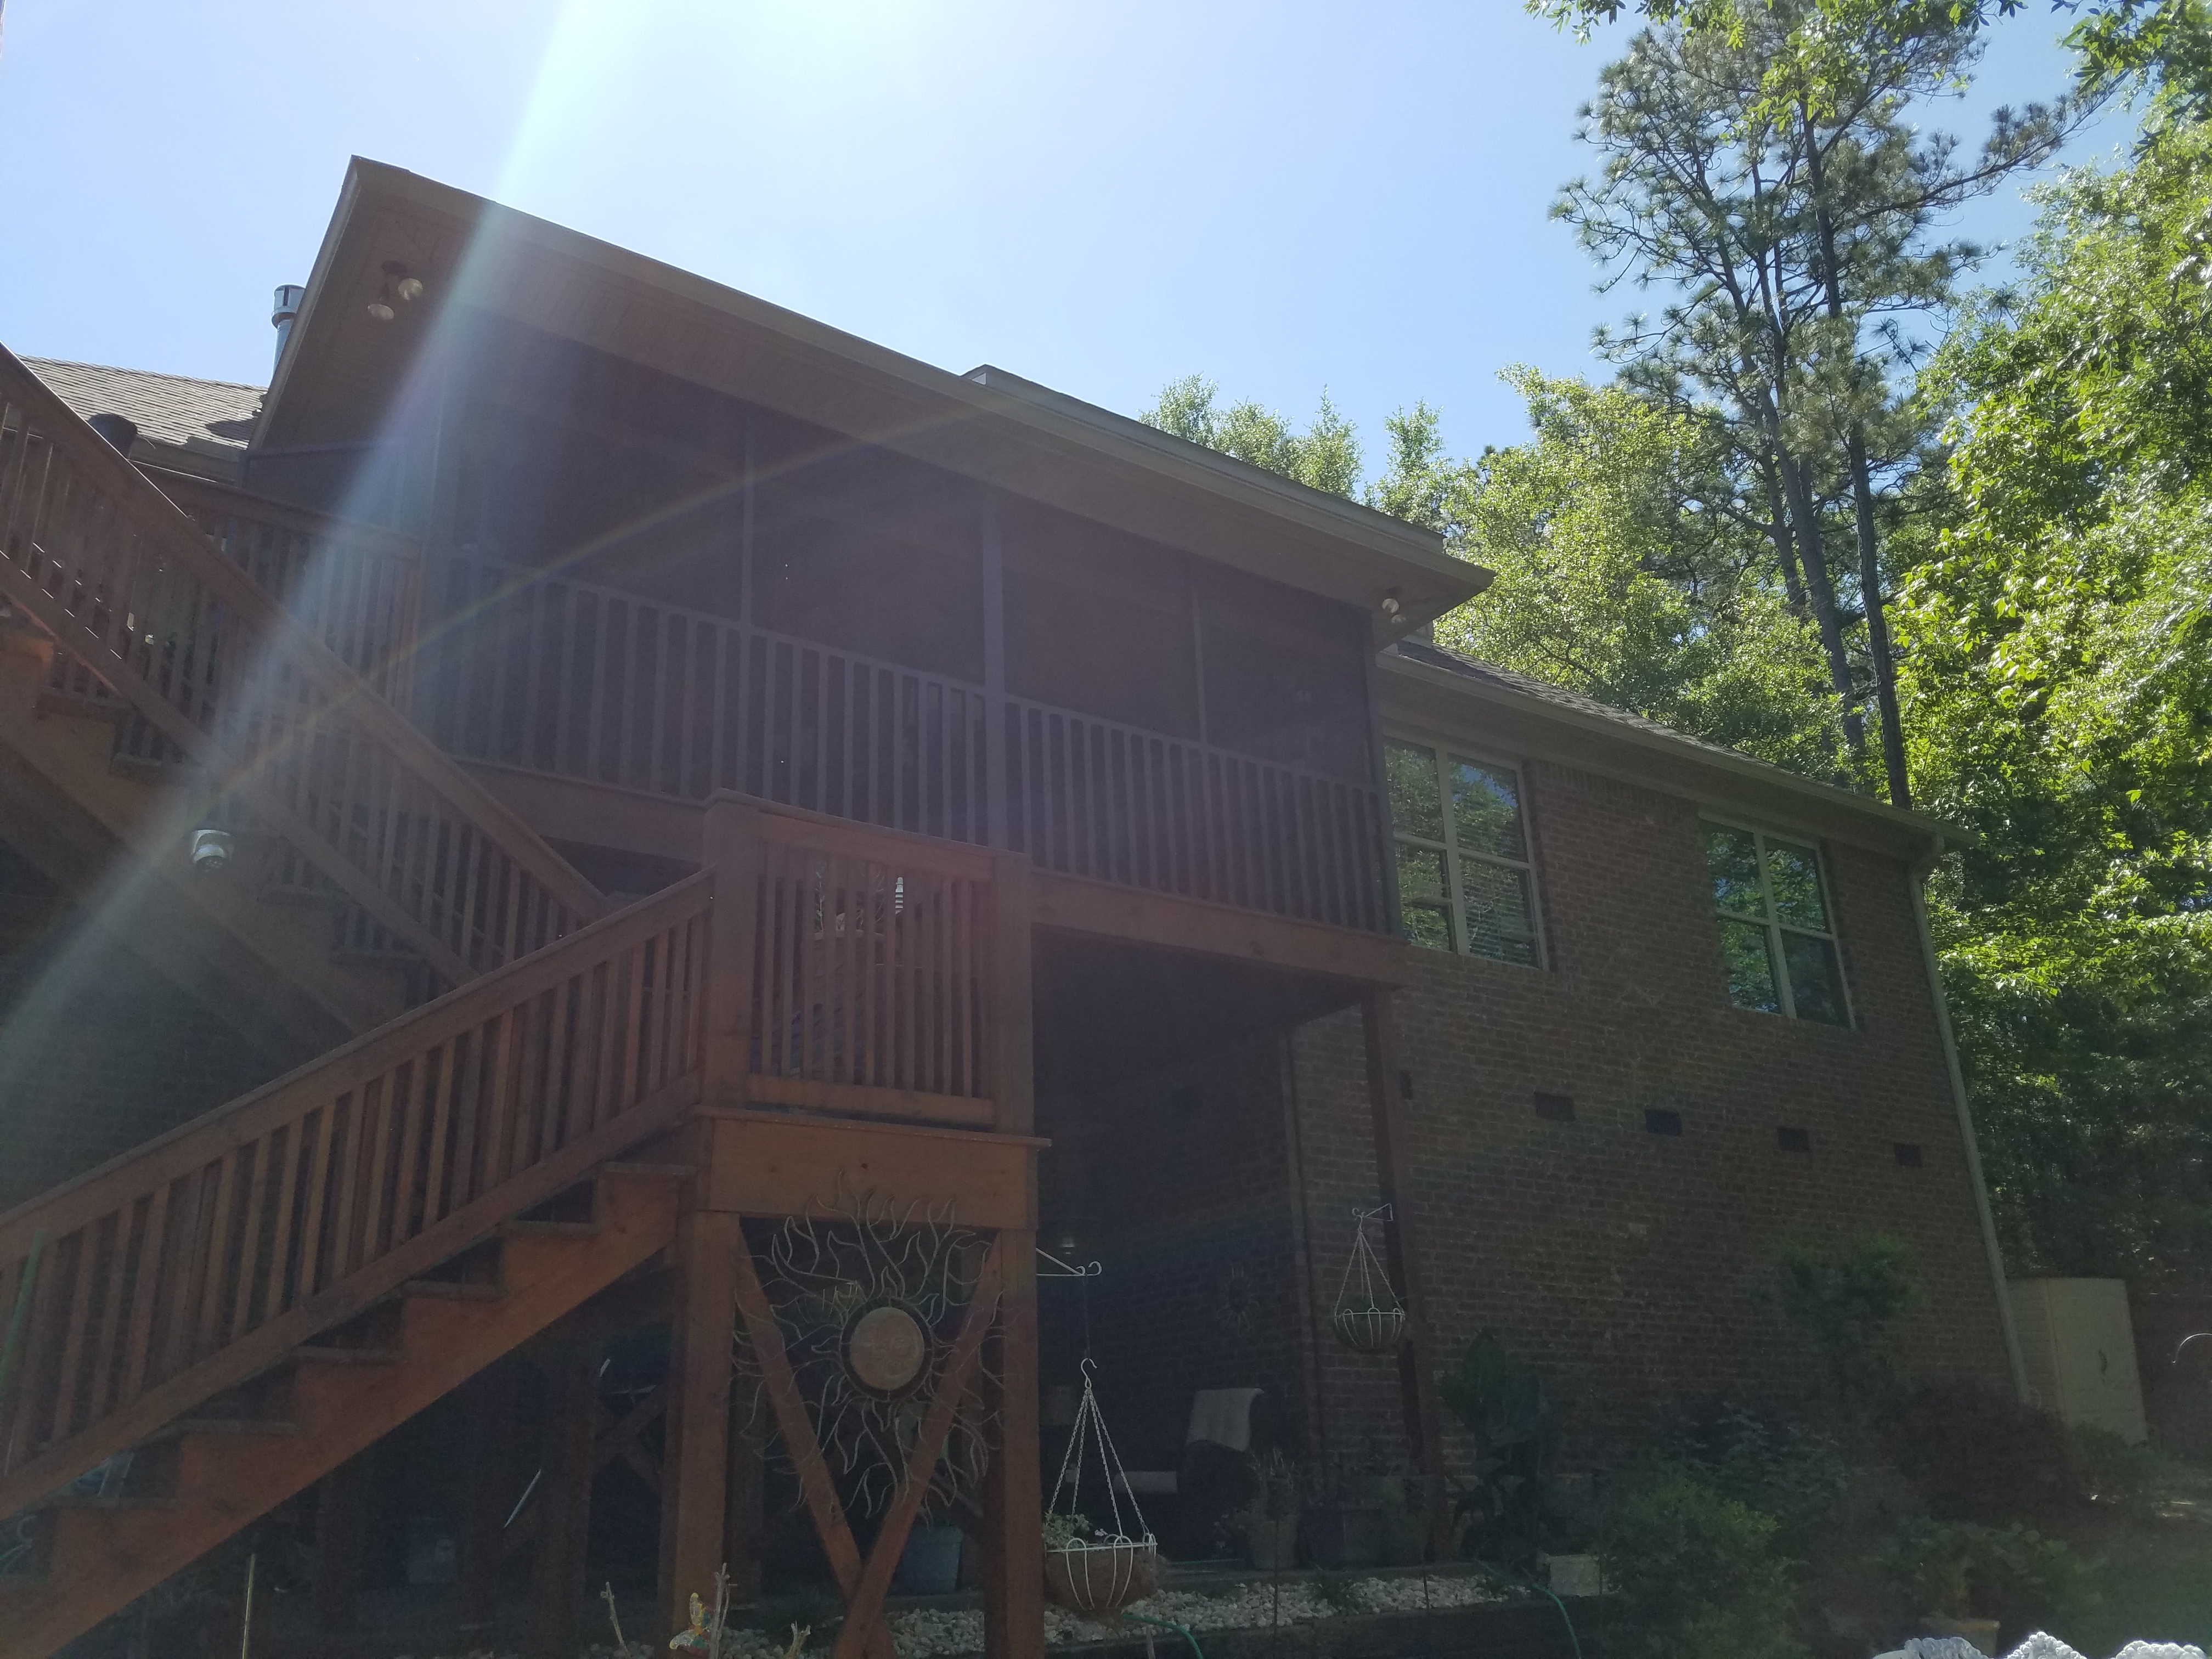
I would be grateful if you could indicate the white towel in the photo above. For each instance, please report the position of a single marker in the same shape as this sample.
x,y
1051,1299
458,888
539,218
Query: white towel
x,y
1223,1416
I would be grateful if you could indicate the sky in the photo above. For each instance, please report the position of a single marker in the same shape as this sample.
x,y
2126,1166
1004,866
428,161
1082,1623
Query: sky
x,y
1285,197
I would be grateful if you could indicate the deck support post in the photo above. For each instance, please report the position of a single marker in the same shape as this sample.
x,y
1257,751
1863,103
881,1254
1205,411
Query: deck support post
x,y
488,1411
694,1468
1416,1358
557,1575
1014,1497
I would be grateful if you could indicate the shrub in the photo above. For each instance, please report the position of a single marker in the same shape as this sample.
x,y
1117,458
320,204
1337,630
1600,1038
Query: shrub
x,y
1516,1431
1845,1300
1770,1461
2012,1574
1698,1574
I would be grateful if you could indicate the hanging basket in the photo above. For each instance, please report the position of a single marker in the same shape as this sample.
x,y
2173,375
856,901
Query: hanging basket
x,y
1370,1330
1369,1316
1091,1566
1097,1580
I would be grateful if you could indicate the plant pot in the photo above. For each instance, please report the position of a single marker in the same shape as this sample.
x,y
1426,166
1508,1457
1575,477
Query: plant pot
x,y
1271,1541
1344,1538
1981,1632
1369,1330
930,1563
1099,1579
1573,1575
1405,1537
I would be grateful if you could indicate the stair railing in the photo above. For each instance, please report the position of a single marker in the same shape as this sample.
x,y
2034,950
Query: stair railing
x,y
130,588
193,1264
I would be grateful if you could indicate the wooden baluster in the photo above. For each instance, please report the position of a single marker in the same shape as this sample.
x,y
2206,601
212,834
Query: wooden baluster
x,y
154,1257
84,1266
329,1164
298,1149
223,1219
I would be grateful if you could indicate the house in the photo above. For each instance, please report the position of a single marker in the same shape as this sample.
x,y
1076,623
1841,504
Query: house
x,y
594,798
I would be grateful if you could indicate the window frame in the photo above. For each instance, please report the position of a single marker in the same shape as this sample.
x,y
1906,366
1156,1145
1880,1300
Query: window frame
x,y
1771,919
1442,753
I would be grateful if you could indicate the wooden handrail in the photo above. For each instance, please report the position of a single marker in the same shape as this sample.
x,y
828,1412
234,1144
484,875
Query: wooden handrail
x,y
206,1256
129,587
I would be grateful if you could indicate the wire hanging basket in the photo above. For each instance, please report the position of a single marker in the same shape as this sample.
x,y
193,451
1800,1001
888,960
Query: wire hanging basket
x,y
1369,1316
1091,1568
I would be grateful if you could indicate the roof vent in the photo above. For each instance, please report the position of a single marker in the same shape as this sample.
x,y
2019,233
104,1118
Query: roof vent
x,y
285,313
118,430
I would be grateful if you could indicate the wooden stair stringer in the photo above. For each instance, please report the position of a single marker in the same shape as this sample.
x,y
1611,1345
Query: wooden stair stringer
x,y
101,1560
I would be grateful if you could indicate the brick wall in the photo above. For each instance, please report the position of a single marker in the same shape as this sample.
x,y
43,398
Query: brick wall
x,y
1624,1262
98,1053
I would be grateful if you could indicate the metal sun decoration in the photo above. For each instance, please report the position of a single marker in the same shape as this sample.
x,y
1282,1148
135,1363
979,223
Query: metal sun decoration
x,y
1369,1316
868,1293
1101,1574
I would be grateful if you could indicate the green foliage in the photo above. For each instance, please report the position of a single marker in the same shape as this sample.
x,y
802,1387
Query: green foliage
x,y
2058,679
1698,1573
1961,1569
1504,1405
1618,579
1975,1455
1325,456
1845,1300
1782,1465
1066,1531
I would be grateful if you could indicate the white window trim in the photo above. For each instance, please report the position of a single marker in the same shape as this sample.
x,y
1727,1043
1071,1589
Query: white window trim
x,y
1777,963
1445,751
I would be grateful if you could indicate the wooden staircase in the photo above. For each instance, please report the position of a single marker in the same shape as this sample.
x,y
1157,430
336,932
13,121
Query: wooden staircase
x,y
293,1251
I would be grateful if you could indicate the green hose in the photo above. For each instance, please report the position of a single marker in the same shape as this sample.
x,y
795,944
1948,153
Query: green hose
x,y
1544,1590
1185,1633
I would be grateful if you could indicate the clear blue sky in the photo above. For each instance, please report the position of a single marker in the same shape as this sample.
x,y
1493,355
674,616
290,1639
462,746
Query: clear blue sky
x,y
1284,196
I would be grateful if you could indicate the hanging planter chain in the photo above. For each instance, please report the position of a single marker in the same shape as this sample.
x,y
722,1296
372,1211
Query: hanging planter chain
x,y
1369,1317
1102,1575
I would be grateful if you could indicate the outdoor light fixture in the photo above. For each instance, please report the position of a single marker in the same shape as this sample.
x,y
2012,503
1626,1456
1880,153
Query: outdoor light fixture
x,y
1393,610
398,285
211,851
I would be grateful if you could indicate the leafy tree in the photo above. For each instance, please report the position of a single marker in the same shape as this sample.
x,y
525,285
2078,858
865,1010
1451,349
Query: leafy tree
x,y
2059,674
1325,456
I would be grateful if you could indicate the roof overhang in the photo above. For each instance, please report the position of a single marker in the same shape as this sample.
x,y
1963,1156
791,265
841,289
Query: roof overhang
x,y
342,372
1486,714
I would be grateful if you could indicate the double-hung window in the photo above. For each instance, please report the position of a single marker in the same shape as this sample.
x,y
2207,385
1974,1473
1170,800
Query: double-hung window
x,y
1778,931
1464,880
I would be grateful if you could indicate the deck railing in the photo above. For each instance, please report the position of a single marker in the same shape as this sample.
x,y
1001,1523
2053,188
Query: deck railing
x,y
555,675
203,1258
214,668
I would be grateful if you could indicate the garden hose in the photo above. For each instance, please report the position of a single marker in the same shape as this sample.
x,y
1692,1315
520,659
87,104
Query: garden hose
x,y
1544,1590
1180,1630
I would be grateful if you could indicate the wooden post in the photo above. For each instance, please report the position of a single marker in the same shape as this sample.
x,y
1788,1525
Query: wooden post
x,y
1393,1168
1013,1040
557,1575
695,1467
487,1493
744,1513
1013,1496
341,1541
731,849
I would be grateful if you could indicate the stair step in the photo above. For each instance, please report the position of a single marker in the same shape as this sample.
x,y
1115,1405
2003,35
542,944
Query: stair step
x,y
650,1171
351,958
330,1356
453,1290
285,892
231,1425
549,1229
65,1500
111,710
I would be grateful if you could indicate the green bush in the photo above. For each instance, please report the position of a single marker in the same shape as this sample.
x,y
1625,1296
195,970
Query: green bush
x,y
1698,1574
1845,1300
1504,1405
1961,1569
1779,1465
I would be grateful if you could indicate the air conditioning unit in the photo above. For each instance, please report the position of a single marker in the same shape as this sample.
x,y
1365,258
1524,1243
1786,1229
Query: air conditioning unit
x,y
2078,1346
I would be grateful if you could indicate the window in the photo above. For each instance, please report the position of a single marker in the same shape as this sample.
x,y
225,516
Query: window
x,y
1464,882
1776,935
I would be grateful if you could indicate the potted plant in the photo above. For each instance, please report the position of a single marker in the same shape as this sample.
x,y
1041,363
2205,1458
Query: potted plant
x,y
1344,1531
1960,1574
1093,1572
1270,1528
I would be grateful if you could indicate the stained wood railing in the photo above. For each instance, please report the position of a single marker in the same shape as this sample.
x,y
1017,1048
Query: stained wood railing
x,y
189,1265
555,675
1087,797
214,668
873,964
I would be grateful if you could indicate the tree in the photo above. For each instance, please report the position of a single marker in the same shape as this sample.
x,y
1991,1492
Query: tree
x,y
2059,673
1325,456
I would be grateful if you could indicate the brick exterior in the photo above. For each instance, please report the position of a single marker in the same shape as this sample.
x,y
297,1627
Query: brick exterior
x,y
1624,1262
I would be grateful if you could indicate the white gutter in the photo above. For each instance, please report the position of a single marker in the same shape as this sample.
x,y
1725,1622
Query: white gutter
x,y
1916,881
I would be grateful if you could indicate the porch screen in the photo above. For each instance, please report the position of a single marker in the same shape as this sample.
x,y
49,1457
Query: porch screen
x,y
1464,879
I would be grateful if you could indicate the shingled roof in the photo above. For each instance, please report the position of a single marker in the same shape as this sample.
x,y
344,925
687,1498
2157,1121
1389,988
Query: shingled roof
x,y
196,426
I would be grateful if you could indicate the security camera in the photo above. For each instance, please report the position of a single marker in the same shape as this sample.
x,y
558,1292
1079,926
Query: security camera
x,y
210,851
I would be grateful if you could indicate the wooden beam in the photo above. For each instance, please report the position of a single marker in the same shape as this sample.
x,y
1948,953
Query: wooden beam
x,y
745,1513
1011,1067
777,1164
1013,1494
695,1467
731,850
488,1410
1074,904
556,1573
1393,1167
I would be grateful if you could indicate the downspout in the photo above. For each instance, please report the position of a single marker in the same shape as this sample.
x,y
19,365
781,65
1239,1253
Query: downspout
x,y
1917,881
